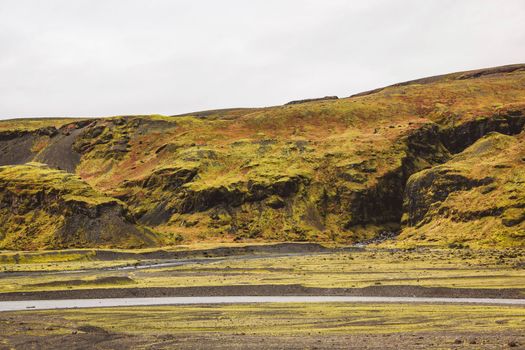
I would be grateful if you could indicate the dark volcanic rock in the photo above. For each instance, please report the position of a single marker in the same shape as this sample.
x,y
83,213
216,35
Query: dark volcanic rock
x,y
45,208
433,186
482,188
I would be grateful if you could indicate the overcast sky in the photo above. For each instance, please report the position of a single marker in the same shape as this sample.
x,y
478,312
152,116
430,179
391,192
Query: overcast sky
x,y
115,57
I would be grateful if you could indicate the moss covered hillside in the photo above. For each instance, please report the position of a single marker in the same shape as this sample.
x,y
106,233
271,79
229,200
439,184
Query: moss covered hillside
x,y
477,197
47,208
436,161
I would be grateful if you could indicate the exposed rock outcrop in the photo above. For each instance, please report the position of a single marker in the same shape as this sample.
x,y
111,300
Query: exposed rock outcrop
x,y
480,191
47,145
45,208
457,138
418,150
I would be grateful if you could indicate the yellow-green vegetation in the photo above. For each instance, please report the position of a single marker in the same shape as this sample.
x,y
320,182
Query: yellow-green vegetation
x,y
264,326
440,268
480,191
79,259
458,268
329,170
42,207
64,260
292,318
30,178
37,258
29,124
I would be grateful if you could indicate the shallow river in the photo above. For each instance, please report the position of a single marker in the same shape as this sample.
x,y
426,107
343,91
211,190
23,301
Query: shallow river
x,y
114,302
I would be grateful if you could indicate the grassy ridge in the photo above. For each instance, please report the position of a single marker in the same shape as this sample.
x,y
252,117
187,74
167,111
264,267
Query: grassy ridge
x,y
331,170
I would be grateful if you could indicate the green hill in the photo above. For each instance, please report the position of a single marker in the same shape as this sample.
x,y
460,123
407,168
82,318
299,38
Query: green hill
x,y
318,170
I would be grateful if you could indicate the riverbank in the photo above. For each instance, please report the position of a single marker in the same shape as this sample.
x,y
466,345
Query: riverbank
x,y
284,269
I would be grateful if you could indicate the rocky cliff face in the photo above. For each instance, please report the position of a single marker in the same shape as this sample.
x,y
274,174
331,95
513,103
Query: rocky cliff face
x,y
347,169
476,198
45,208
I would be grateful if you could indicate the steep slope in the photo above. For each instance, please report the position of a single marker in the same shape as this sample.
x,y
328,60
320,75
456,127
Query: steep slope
x,y
477,198
329,169
46,208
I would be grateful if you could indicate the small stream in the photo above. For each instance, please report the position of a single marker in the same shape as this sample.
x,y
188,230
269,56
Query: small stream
x,y
118,302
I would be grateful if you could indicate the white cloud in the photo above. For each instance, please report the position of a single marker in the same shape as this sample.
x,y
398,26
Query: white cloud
x,y
108,57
